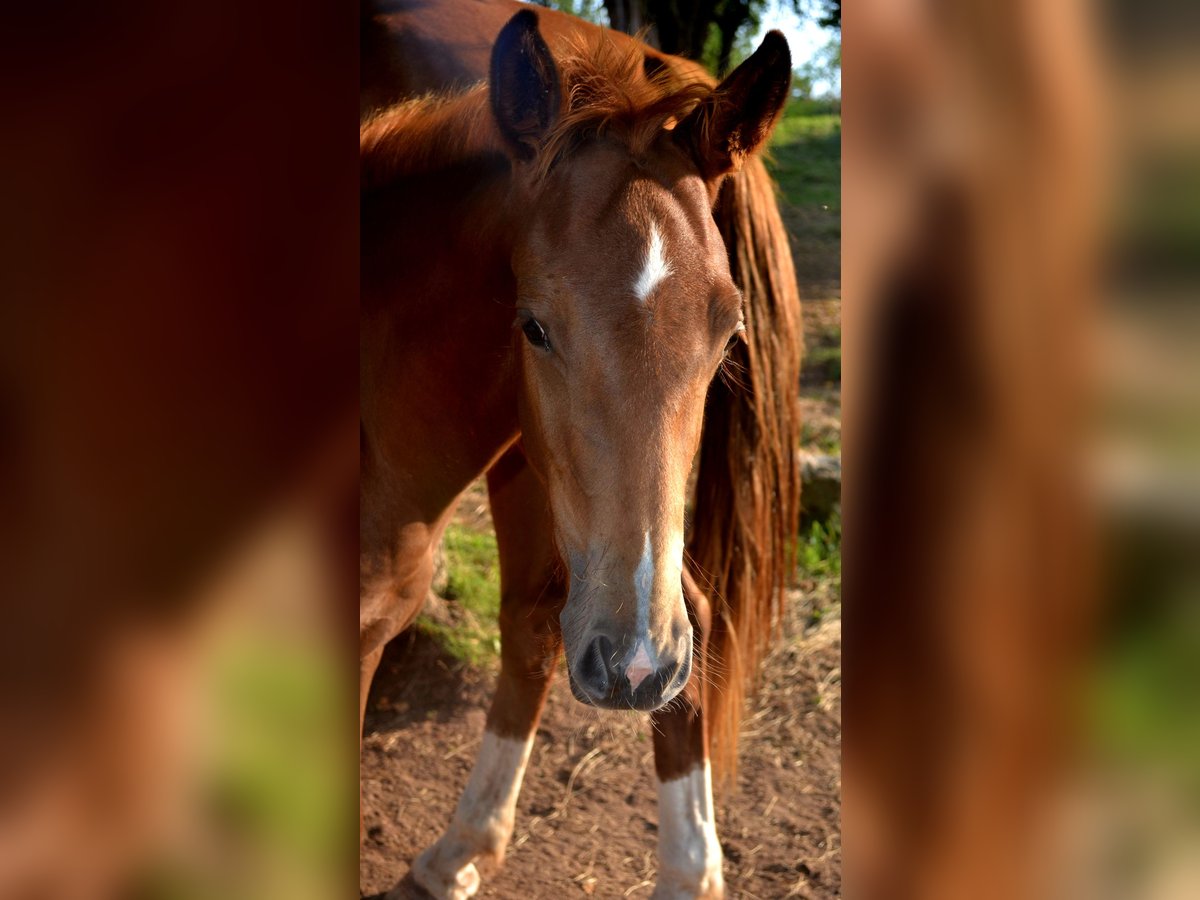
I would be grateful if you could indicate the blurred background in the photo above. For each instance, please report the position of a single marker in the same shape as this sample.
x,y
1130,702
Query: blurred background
x,y
1021,465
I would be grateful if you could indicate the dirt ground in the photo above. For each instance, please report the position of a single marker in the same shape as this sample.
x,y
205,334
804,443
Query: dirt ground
x,y
586,819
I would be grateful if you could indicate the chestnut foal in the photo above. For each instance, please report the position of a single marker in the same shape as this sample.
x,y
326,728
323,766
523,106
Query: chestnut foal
x,y
547,298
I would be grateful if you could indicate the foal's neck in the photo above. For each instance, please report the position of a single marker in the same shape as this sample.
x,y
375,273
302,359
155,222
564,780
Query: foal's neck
x,y
438,292
435,192
427,135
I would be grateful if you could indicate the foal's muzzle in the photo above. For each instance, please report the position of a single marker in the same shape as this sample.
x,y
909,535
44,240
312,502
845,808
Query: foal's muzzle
x,y
637,678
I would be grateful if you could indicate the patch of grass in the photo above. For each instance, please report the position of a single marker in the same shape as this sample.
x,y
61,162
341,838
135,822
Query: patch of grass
x,y
813,106
827,440
1144,707
819,566
473,570
473,585
819,549
806,160
824,363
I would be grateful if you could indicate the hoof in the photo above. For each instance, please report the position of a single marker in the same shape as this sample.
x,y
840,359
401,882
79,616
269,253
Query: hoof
x,y
711,887
457,885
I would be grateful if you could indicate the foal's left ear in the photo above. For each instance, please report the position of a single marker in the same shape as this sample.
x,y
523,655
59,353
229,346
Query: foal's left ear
x,y
737,117
524,84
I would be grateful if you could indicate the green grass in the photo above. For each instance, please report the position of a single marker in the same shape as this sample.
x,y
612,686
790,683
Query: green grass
x,y
826,440
819,558
1144,705
819,550
806,160
825,362
473,584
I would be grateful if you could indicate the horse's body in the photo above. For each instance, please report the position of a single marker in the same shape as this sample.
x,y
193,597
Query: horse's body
x,y
587,412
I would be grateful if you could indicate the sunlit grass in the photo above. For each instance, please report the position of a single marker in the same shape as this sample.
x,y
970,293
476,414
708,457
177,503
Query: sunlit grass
x,y
473,586
819,549
806,161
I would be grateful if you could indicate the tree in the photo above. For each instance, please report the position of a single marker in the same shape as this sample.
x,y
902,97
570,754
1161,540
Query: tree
x,y
678,26
589,10
629,16
705,30
823,67
731,17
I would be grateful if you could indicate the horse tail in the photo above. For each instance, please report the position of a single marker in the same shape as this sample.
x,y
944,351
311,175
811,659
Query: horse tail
x,y
747,504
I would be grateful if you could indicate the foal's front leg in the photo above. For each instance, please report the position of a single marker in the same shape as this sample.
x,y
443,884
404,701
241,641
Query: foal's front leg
x,y
533,591
689,854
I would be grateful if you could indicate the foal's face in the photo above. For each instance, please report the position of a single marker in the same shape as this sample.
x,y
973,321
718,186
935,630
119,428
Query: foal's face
x,y
625,311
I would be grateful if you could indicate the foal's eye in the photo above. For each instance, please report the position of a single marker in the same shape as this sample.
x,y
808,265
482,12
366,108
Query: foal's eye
x,y
536,334
736,338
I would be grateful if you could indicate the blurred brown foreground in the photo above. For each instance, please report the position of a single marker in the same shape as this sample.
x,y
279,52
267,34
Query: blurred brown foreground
x,y
178,450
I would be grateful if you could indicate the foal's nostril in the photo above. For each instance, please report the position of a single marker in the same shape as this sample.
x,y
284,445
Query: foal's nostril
x,y
640,680
593,667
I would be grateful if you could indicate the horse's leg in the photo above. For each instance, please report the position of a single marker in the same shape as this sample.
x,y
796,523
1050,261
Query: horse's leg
x,y
533,589
392,593
395,579
689,854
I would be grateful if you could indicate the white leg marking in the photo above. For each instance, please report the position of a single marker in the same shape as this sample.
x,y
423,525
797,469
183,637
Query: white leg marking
x,y
655,267
689,854
482,823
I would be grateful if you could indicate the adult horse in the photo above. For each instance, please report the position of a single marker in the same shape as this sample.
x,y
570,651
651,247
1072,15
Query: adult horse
x,y
547,297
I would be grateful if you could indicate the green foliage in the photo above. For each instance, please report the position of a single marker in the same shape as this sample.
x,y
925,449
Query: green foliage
x,y
819,550
743,41
827,13
824,67
588,10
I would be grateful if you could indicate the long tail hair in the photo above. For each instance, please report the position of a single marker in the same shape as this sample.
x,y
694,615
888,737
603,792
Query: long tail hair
x,y
747,506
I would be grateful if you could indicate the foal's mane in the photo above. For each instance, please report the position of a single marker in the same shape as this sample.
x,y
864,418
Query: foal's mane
x,y
620,93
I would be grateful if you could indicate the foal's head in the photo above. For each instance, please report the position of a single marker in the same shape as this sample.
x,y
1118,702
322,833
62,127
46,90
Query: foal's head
x,y
625,312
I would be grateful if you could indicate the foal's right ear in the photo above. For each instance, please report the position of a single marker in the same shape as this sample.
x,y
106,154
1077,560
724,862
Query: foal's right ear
x,y
736,119
525,90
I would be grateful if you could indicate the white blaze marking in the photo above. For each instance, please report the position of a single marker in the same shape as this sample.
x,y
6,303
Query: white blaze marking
x,y
689,854
482,823
654,268
643,586
642,654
